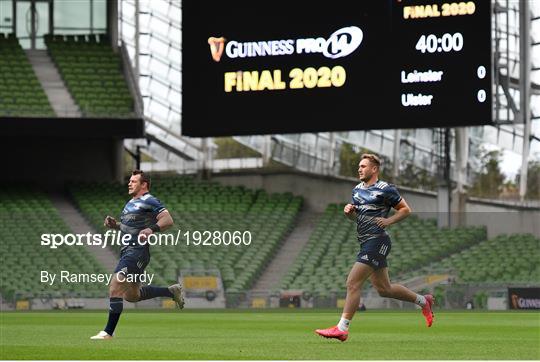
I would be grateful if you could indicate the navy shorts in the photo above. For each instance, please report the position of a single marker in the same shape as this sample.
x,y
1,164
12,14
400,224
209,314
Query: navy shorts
x,y
373,252
133,261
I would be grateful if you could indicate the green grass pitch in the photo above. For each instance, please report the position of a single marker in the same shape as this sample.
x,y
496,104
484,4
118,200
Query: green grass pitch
x,y
274,335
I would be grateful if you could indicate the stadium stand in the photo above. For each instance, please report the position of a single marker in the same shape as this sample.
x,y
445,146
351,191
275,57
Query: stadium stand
x,y
325,262
92,72
204,206
21,93
504,259
24,217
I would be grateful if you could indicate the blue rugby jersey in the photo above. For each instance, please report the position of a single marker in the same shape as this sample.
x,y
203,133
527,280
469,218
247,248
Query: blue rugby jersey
x,y
371,202
138,214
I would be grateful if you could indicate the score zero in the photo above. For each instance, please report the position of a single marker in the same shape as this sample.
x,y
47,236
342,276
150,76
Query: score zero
x,y
243,81
481,95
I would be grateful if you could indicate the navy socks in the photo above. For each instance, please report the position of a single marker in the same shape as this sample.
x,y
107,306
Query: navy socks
x,y
149,292
115,309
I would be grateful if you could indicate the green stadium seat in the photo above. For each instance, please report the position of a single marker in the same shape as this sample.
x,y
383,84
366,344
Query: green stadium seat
x,y
493,261
21,93
92,73
24,216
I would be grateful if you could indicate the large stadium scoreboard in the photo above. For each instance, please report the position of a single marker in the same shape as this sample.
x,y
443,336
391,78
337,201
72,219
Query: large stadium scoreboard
x,y
301,66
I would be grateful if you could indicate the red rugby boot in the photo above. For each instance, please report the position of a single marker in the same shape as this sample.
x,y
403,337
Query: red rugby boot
x,y
427,311
333,332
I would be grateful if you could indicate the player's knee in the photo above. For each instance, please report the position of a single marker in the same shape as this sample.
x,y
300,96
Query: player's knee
x,y
132,297
352,286
383,291
116,289
115,292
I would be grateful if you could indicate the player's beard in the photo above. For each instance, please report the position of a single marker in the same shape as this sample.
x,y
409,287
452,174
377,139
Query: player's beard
x,y
367,176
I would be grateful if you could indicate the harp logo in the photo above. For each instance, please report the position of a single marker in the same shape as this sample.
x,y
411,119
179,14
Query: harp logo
x,y
216,47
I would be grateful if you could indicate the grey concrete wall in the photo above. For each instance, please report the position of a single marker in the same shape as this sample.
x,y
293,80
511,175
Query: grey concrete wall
x,y
503,219
318,191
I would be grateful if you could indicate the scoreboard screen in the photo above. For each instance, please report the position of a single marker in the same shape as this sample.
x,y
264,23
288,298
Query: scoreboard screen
x,y
298,66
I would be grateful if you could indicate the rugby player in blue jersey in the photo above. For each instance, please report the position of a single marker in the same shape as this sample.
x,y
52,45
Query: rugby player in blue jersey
x,y
371,202
142,216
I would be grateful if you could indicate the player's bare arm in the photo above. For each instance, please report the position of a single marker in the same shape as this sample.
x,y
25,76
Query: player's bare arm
x,y
402,211
164,221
